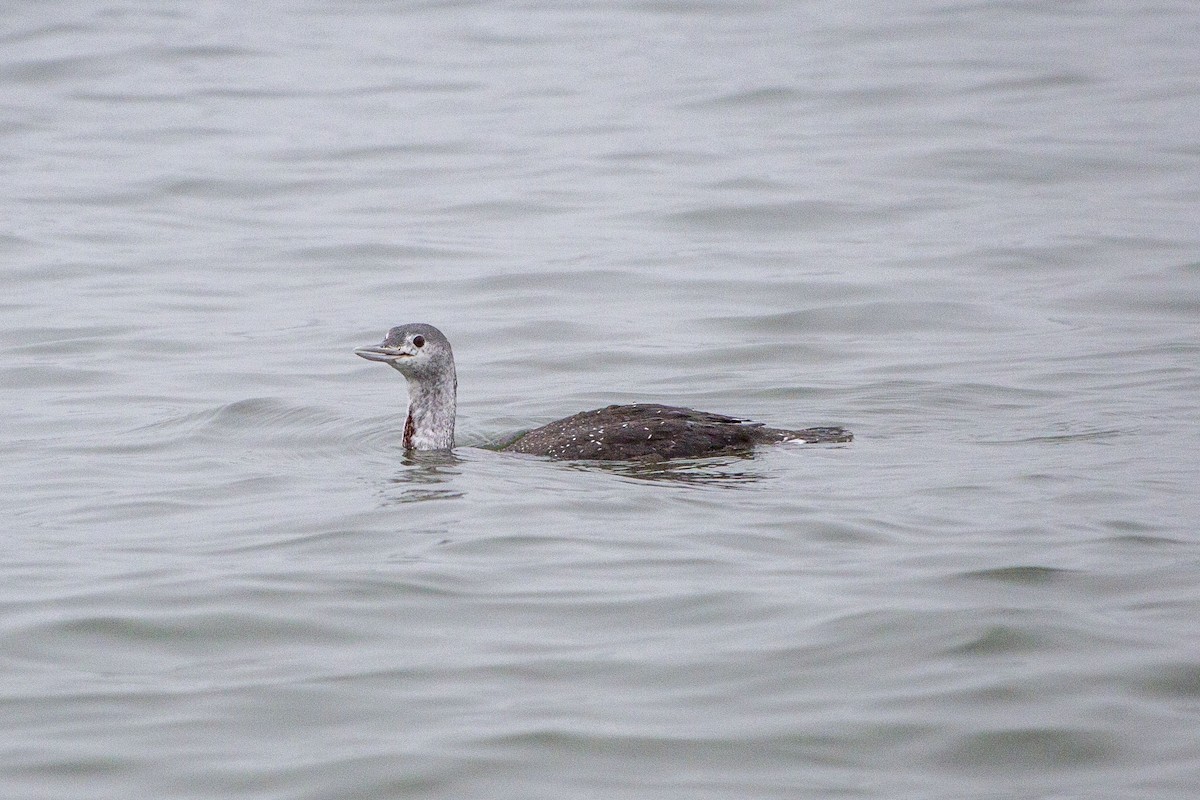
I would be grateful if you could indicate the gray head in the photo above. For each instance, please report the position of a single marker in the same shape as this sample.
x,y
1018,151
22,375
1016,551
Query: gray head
x,y
422,355
420,352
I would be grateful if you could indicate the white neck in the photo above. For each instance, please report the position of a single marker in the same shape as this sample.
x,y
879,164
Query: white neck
x,y
431,408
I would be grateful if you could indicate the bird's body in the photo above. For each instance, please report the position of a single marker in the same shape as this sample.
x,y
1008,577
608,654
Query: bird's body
x,y
642,431
650,431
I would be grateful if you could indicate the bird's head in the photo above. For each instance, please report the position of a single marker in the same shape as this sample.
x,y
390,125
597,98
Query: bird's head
x,y
420,352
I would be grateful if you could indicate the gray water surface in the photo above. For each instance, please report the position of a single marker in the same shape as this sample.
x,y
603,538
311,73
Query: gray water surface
x,y
969,232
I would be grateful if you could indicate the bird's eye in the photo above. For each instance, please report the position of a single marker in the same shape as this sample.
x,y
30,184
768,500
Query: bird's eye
x,y
418,341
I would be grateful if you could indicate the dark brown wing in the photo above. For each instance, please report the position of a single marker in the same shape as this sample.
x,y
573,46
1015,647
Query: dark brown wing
x,y
647,431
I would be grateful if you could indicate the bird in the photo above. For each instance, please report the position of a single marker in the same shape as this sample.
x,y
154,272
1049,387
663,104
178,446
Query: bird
x,y
632,432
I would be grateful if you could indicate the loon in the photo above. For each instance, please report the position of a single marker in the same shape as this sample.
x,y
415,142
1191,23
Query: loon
x,y
637,432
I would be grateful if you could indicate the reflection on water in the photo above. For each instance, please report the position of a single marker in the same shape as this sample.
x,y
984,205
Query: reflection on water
x,y
724,471
425,475
423,472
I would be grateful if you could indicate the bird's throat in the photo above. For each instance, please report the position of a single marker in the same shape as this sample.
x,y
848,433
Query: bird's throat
x,y
430,421
410,428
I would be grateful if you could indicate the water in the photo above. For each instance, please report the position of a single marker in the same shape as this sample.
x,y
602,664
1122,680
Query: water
x,y
967,232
